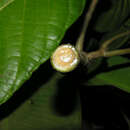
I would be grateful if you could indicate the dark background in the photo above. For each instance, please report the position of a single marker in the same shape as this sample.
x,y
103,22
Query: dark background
x,y
103,107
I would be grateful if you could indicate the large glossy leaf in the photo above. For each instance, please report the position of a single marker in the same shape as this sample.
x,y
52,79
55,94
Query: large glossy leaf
x,y
46,109
30,30
116,14
117,75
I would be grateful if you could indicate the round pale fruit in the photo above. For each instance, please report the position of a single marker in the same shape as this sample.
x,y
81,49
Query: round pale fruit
x,y
65,58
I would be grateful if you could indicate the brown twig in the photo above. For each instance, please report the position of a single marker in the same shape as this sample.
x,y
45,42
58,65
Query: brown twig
x,y
108,42
103,53
117,52
103,50
80,41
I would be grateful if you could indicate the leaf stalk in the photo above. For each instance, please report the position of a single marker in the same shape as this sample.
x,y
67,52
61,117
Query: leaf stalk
x,y
80,41
103,50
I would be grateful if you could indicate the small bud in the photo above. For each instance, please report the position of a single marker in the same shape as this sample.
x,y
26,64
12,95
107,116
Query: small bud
x,y
65,58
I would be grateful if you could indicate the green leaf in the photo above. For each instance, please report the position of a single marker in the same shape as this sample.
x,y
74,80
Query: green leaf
x,y
30,30
112,18
118,75
38,112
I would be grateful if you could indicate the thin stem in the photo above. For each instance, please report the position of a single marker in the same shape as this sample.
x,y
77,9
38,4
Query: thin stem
x,y
108,42
6,4
104,53
80,41
117,52
94,54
